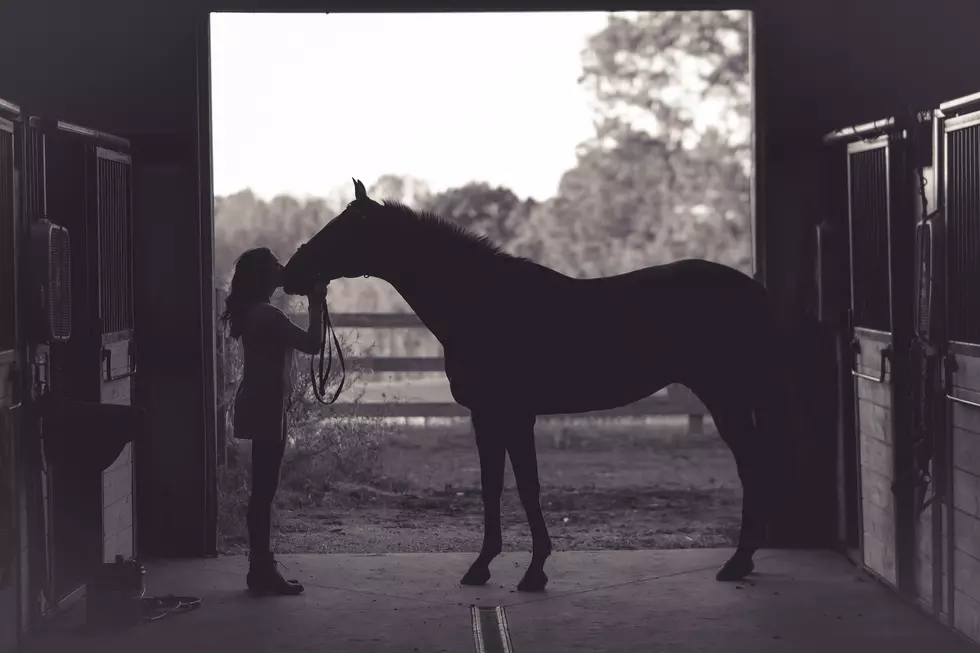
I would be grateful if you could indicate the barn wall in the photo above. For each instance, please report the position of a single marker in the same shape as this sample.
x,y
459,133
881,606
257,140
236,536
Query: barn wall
x,y
171,491
107,64
879,63
130,68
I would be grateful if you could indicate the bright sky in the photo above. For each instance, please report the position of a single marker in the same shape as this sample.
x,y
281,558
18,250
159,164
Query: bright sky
x,y
304,102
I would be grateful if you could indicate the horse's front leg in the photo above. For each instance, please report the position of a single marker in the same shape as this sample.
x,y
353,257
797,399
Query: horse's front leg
x,y
524,460
490,444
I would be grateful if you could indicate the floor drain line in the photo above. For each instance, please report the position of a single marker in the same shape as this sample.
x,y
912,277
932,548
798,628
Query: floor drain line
x,y
490,631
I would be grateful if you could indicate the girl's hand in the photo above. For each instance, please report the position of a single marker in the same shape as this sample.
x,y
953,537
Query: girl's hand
x,y
316,297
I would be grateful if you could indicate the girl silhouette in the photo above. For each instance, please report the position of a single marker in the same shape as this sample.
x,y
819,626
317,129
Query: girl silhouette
x,y
268,338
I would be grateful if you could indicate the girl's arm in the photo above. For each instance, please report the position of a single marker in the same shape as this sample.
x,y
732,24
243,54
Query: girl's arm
x,y
307,341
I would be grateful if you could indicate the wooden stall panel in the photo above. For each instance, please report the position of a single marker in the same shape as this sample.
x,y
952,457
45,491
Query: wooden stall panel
x,y
924,567
9,567
118,529
874,419
966,496
877,459
118,391
117,359
26,553
117,485
117,507
966,376
966,581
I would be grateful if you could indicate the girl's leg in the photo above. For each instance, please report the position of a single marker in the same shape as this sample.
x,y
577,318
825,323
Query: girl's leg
x,y
263,574
266,462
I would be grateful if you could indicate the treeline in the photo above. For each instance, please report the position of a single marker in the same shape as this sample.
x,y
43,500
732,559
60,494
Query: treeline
x,y
652,186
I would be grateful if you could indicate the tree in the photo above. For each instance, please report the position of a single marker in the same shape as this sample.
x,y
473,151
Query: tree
x,y
484,209
653,70
405,189
655,184
608,216
243,221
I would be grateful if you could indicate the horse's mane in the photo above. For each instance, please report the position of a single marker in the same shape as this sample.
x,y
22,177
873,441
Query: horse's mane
x,y
433,226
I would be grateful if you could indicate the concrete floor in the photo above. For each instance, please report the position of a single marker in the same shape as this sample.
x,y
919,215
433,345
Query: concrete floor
x,y
611,601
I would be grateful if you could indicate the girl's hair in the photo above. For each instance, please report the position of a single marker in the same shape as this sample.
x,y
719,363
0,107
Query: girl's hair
x,y
247,287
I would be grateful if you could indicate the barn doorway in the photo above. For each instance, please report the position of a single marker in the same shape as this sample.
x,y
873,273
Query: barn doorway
x,y
544,131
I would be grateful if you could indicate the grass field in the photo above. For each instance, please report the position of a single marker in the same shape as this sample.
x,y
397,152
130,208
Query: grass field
x,y
603,487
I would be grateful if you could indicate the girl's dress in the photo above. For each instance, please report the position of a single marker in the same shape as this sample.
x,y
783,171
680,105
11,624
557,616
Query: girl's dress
x,y
269,338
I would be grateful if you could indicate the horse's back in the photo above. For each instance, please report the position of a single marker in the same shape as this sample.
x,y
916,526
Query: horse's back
x,y
678,299
653,313
691,298
682,281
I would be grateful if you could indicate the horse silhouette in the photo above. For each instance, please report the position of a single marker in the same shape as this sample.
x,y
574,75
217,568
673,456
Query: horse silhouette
x,y
521,340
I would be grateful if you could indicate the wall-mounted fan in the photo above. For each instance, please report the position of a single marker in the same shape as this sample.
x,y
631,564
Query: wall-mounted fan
x,y
50,283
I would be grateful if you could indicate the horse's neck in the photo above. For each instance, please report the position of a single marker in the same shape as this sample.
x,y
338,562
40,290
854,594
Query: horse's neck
x,y
432,313
439,295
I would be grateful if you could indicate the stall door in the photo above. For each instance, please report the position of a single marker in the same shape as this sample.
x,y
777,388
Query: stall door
x,y
115,300
88,191
960,140
869,212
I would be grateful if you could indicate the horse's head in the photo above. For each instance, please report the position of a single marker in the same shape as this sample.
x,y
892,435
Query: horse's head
x,y
342,248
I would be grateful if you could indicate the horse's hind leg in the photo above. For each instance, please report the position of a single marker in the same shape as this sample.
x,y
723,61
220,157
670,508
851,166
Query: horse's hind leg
x,y
737,428
490,444
524,460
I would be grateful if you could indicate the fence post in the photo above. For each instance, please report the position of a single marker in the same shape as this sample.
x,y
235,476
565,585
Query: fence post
x,y
683,396
220,364
695,424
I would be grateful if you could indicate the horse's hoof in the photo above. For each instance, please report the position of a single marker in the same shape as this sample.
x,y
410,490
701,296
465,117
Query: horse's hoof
x,y
533,581
735,569
476,576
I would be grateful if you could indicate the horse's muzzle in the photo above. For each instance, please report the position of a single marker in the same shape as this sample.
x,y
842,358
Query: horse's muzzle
x,y
294,288
293,284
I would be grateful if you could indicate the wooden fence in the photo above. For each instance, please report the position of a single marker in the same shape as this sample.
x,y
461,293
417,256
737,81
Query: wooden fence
x,y
676,400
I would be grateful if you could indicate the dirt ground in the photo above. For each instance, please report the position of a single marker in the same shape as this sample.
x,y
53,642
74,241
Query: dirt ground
x,y
603,487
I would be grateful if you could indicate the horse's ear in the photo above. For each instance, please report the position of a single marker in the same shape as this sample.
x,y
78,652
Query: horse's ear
x,y
359,192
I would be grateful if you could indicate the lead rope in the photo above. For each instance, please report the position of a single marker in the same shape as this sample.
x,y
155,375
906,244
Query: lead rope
x,y
158,607
320,383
